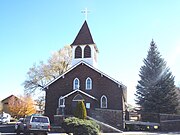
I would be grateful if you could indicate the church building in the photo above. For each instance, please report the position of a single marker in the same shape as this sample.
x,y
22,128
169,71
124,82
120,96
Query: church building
x,y
84,82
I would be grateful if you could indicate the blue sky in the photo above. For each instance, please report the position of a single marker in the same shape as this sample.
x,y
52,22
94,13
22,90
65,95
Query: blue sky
x,y
30,30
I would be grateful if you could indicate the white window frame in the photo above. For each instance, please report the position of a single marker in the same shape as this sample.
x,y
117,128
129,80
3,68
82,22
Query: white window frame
x,y
81,52
74,84
103,97
63,102
90,85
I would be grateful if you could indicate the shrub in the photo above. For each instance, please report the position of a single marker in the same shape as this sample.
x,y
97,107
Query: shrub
x,y
80,126
80,111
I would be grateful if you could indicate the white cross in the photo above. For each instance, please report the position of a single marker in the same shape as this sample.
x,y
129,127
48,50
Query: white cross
x,y
86,11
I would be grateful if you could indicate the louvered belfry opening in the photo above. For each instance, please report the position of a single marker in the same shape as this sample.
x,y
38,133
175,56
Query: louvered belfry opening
x,y
78,52
87,52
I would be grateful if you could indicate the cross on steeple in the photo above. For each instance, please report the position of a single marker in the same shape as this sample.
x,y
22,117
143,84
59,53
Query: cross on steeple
x,y
86,11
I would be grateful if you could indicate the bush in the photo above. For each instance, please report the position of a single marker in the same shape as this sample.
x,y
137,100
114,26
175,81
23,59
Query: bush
x,y
80,126
80,111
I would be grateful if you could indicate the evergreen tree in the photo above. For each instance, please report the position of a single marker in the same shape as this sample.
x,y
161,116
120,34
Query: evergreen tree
x,y
155,91
80,111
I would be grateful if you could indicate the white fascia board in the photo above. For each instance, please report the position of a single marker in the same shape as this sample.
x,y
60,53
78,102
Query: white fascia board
x,y
105,75
91,68
80,92
61,75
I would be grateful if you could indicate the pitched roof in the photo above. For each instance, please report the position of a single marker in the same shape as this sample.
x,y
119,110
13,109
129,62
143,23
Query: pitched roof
x,y
79,92
84,36
83,62
9,98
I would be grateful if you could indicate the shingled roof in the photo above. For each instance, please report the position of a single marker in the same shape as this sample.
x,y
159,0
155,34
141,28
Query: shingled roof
x,y
84,36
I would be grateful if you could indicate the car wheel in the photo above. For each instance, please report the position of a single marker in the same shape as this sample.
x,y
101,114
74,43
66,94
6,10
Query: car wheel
x,y
18,131
26,133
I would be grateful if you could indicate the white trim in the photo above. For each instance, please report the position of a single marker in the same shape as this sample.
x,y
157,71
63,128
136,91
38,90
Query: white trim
x,y
75,52
84,51
87,83
63,102
80,92
76,96
74,85
103,96
83,62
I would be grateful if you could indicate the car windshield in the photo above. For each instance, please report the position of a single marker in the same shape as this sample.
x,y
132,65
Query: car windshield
x,y
40,119
20,120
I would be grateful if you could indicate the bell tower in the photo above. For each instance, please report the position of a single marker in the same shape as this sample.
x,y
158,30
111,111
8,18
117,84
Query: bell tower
x,y
84,48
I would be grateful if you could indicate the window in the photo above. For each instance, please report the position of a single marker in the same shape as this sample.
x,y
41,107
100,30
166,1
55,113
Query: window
x,y
88,84
76,84
40,120
103,101
78,52
61,102
88,105
87,52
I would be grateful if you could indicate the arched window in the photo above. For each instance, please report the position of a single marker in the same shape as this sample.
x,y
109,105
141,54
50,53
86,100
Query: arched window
x,y
78,97
61,102
88,84
76,84
78,52
87,52
103,101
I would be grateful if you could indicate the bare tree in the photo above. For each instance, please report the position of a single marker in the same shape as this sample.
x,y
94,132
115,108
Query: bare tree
x,y
40,103
39,75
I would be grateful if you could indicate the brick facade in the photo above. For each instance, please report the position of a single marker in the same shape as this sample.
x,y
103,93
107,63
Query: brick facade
x,y
84,60
101,85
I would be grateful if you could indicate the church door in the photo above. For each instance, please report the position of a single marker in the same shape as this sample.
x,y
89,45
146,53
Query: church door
x,y
75,100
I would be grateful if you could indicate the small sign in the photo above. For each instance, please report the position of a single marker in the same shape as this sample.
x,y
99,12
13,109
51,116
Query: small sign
x,y
88,105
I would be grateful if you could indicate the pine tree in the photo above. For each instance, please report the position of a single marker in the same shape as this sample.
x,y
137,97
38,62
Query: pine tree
x,y
155,91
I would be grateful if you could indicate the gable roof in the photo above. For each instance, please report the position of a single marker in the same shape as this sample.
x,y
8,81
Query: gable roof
x,y
83,62
84,36
74,91
8,98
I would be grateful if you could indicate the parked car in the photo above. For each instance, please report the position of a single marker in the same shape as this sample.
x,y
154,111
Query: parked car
x,y
33,124
19,126
4,118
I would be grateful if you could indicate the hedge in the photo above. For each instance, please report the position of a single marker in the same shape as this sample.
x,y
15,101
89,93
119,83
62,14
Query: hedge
x,y
80,126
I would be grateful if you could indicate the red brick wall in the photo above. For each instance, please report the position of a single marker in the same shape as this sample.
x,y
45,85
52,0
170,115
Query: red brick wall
x,y
101,86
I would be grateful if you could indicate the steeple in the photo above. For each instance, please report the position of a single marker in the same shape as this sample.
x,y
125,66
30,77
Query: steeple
x,y
84,36
84,47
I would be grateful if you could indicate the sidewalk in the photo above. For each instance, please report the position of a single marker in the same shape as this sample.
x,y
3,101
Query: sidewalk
x,y
129,133
141,133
